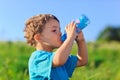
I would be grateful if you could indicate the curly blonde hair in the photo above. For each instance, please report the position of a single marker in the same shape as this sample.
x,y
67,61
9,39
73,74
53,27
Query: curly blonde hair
x,y
35,25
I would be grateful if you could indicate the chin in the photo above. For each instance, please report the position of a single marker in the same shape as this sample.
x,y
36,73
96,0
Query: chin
x,y
57,46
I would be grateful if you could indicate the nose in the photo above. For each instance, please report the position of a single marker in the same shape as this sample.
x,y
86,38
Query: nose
x,y
60,33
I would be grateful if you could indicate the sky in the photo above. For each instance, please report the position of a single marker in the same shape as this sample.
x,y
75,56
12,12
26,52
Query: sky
x,y
14,13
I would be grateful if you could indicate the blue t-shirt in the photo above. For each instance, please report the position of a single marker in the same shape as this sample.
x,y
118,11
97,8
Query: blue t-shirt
x,y
40,67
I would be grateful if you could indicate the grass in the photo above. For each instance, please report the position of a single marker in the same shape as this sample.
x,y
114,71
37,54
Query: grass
x,y
103,62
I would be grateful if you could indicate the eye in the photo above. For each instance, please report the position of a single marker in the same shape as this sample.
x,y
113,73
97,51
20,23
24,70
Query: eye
x,y
53,30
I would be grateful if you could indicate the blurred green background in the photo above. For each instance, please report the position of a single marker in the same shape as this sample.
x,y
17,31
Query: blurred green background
x,y
103,62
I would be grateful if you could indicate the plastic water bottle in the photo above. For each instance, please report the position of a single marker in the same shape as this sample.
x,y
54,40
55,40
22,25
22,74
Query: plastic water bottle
x,y
81,23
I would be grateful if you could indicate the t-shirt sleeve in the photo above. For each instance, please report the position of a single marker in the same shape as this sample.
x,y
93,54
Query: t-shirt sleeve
x,y
70,65
42,66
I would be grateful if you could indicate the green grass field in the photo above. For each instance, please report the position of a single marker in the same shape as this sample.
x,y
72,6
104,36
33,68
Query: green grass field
x,y
103,62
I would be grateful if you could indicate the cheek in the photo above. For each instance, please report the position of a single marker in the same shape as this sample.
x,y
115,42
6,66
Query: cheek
x,y
51,38
46,39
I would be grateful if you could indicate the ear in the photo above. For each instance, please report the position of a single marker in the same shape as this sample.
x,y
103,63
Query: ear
x,y
36,37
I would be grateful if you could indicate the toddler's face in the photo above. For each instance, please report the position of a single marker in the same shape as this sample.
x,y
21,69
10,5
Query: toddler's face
x,y
51,35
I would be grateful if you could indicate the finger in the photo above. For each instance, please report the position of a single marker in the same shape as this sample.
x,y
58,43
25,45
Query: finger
x,y
72,23
66,26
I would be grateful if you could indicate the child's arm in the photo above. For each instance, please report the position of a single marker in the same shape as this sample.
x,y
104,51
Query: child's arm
x,y
62,53
82,50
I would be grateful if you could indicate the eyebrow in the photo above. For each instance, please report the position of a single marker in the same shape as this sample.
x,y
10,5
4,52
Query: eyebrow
x,y
56,27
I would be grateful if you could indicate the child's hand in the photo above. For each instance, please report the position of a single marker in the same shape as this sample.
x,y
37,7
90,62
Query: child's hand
x,y
71,30
80,36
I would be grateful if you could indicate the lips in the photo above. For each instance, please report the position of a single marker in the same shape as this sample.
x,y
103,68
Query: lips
x,y
60,40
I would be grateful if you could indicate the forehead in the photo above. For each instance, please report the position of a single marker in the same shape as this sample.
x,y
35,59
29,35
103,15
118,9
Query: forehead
x,y
52,23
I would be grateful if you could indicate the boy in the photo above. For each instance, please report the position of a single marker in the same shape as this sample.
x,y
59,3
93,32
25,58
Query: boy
x,y
43,33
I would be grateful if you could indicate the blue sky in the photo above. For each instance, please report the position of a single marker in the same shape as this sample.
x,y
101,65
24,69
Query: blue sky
x,y
14,13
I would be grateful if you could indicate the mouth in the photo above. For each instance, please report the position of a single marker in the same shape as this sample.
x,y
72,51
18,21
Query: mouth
x,y
60,40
